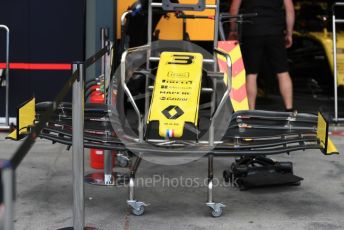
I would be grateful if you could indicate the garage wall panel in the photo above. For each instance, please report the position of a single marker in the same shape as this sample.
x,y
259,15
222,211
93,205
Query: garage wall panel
x,y
42,31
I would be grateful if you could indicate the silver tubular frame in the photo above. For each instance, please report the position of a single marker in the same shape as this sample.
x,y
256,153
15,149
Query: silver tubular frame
x,y
106,59
124,18
221,31
104,34
108,178
210,177
224,97
123,22
149,30
214,111
216,26
78,149
7,119
107,72
334,47
216,29
126,89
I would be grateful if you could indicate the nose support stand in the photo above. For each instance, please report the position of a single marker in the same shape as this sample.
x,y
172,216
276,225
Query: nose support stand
x,y
216,208
137,207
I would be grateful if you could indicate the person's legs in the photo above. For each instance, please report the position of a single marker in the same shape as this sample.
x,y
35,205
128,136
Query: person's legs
x,y
286,89
279,62
251,88
252,50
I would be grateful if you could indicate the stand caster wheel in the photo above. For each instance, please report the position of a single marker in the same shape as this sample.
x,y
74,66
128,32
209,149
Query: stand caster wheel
x,y
216,208
123,163
138,212
122,160
137,207
217,213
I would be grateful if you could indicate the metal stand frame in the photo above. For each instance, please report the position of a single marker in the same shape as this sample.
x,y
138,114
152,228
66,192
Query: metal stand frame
x,y
335,71
6,125
137,207
216,208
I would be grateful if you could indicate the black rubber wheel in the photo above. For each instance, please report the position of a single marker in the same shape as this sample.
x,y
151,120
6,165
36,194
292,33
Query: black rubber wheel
x,y
138,212
217,213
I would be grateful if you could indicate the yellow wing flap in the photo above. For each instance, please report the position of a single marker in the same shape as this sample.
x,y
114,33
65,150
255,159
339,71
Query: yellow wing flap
x,y
326,144
13,135
176,93
26,114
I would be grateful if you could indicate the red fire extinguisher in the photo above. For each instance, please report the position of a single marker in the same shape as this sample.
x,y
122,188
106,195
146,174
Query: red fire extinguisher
x,y
97,155
96,97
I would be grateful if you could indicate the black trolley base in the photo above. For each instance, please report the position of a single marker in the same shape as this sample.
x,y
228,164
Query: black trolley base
x,y
260,171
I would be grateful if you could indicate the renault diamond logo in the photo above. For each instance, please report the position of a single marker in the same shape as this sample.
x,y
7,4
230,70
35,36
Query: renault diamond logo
x,y
172,112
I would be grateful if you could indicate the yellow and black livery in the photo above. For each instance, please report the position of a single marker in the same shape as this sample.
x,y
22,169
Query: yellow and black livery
x,y
175,101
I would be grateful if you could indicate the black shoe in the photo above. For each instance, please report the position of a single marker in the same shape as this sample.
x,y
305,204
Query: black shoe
x,y
290,110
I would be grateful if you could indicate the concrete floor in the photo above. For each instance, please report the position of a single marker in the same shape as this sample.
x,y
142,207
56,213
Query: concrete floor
x,y
44,195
